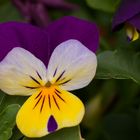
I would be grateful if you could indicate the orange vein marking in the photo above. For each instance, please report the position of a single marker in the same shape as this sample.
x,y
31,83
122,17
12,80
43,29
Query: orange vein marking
x,y
42,103
38,101
35,80
49,101
60,97
65,82
55,72
62,79
39,75
60,76
57,91
38,95
56,103
31,87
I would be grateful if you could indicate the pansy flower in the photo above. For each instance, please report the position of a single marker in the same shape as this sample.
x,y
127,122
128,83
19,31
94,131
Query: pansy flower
x,y
128,15
36,11
47,71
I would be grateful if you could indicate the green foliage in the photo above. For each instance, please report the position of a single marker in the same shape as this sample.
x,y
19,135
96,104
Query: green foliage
x,y
7,121
120,127
6,100
105,5
72,133
8,12
17,135
119,64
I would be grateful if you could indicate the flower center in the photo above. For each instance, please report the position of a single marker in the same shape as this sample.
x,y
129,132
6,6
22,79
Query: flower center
x,y
51,95
48,84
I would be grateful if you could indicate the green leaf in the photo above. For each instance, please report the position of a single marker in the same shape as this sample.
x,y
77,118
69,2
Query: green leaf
x,y
17,135
2,2
104,5
72,133
119,64
98,104
121,127
6,100
138,118
8,12
1,97
7,121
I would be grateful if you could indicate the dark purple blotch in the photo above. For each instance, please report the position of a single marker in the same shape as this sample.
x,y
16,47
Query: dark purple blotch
x,y
52,124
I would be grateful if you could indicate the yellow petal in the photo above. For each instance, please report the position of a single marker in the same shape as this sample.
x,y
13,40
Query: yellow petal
x,y
49,110
132,32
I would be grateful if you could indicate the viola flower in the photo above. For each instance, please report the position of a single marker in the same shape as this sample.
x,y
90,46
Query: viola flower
x,y
36,11
72,65
128,15
51,107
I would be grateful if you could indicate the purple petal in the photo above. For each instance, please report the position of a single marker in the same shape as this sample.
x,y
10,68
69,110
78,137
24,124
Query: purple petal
x,y
127,10
41,42
14,34
135,21
73,28
52,124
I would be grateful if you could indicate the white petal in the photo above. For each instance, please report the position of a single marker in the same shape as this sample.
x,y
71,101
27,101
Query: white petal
x,y
17,71
74,63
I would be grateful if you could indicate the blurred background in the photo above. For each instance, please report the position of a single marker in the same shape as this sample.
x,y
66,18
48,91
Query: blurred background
x,y
112,104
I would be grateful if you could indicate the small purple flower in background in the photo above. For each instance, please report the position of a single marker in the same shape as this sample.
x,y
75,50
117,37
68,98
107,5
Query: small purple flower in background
x,y
128,15
36,11
67,48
